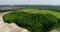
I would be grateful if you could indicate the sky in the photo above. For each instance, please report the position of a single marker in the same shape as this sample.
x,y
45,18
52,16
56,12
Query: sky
x,y
29,2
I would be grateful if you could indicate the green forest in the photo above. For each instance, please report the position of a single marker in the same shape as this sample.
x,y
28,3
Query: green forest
x,y
35,20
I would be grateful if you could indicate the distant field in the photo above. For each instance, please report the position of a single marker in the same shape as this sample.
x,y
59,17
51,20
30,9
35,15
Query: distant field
x,y
41,11
34,20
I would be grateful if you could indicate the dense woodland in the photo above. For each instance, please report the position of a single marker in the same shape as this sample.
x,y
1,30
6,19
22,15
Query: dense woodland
x,y
34,20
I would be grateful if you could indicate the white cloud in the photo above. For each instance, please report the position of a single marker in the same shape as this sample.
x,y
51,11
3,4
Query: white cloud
x,y
36,2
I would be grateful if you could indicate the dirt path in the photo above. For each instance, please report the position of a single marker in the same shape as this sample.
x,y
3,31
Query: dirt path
x,y
55,30
1,16
5,27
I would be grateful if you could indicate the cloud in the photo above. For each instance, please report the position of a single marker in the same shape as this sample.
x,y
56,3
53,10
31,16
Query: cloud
x,y
32,2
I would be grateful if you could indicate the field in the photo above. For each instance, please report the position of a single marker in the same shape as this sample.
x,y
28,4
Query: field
x,y
34,20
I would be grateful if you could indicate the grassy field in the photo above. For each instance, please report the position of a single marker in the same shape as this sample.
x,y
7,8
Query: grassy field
x,y
34,20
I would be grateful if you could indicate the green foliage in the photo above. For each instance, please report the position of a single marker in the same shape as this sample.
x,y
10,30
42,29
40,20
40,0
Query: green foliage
x,y
34,22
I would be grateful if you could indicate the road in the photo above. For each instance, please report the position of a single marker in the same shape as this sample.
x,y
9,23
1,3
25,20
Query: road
x,y
6,27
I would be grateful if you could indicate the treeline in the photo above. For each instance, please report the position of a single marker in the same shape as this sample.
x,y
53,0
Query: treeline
x,y
43,7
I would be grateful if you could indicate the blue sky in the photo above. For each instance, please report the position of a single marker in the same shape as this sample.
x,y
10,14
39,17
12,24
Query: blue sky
x,y
29,2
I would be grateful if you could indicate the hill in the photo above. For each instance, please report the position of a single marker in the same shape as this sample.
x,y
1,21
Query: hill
x,y
34,20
